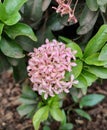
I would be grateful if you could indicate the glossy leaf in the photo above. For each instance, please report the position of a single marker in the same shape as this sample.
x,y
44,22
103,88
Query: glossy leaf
x,y
103,54
78,68
82,82
94,60
12,6
91,100
11,49
100,72
92,5
20,29
83,114
90,78
97,42
40,115
15,17
73,46
57,114
101,2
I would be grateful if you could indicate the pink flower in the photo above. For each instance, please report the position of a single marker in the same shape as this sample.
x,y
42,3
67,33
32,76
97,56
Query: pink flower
x,y
47,67
64,7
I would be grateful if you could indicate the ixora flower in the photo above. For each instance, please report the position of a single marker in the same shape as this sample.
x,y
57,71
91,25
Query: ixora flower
x,y
47,66
64,7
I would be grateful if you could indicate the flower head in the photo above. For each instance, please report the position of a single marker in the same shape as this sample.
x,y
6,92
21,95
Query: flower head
x,y
64,7
47,67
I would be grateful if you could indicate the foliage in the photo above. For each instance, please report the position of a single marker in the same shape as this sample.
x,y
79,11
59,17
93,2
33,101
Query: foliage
x,y
25,24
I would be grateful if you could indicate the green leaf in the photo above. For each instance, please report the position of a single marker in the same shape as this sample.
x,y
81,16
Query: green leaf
x,y
20,71
73,46
45,4
94,60
75,70
82,82
12,6
25,109
40,115
87,21
13,19
100,72
101,2
1,28
11,49
26,100
33,10
3,15
74,93
91,100
46,128
4,64
78,68
103,54
67,126
57,114
83,114
90,78
20,29
92,5
28,92
97,42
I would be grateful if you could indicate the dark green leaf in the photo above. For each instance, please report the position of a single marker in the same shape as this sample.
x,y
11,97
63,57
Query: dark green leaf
x,y
28,92
26,100
33,10
97,42
94,60
11,49
26,43
20,29
67,126
40,115
91,100
92,5
25,109
46,128
13,19
74,93
57,114
83,114
87,21
45,4
12,6
103,54
19,71
100,72
73,46
4,64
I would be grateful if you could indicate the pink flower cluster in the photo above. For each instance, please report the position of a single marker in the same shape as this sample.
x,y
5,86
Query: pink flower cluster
x,y
47,67
64,8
